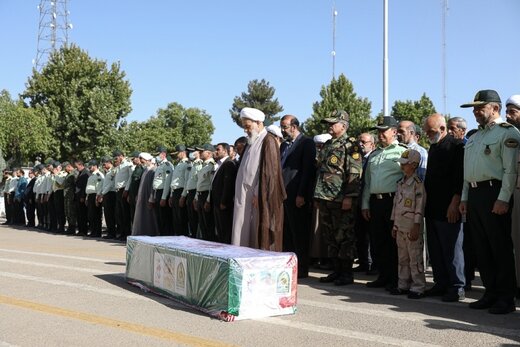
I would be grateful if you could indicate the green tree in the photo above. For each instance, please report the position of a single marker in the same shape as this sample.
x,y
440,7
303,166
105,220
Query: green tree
x,y
171,126
82,100
340,95
415,111
23,132
259,95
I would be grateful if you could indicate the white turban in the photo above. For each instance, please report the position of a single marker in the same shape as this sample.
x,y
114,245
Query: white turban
x,y
253,114
514,100
275,130
145,156
322,138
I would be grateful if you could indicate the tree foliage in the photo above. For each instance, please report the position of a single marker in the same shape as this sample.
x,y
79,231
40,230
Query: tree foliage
x,y
171,126
259,95
340,95
82,100
23,132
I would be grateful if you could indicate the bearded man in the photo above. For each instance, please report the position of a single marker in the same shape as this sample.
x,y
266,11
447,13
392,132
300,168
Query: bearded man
x,y
259,188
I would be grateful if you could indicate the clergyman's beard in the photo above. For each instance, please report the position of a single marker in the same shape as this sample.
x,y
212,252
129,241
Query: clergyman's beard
x,y
253,136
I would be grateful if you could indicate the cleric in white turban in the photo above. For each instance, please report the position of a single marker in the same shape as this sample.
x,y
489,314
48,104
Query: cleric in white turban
x,y
259,188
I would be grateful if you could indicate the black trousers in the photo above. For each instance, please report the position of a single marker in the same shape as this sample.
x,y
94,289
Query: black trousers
x,y
223,223
206,218
109,209
51,213
40,213
363,241
164,215
122,214
193,217
59,208
94,215
19,212
492,242
297,232
179,214
10,212
30,207
82,213
383,245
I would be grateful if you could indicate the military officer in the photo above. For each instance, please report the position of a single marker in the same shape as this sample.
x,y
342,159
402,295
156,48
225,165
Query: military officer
x,y
188,194
57,191
121,181
108,197
336,192
203,207
8,205
490,174
93,190
69,186
161,191
38,194
179,178
381,176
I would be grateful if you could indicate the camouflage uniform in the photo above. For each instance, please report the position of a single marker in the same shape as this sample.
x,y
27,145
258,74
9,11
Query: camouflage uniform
x,y
339,172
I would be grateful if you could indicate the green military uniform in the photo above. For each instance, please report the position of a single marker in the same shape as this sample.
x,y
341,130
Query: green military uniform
x,y
206,219
179,178
161,191
189,193
338,177
93,189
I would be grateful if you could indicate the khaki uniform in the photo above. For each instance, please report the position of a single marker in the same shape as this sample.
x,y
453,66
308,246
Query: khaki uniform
x,y
408,210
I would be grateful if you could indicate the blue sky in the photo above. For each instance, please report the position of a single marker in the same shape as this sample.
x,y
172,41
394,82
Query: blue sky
x,y
203,53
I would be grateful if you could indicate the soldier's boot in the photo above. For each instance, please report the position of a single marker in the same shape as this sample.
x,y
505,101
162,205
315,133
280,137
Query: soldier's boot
x,y
336,274
346,276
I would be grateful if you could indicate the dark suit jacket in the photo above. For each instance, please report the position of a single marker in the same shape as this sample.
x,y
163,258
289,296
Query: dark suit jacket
x,y
298,169
223,186
81,184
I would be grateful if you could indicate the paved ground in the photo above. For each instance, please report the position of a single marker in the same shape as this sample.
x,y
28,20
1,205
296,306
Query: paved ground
x,y
60,290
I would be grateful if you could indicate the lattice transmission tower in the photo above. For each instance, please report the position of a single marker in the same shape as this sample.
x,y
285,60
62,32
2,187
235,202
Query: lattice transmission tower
x,y
53,29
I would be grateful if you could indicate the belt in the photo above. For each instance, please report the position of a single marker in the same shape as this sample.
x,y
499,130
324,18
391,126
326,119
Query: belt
x,y
382,196
488,183
203,192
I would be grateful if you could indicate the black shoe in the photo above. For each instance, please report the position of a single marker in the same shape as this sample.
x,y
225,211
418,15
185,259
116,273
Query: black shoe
x,y
379,283
483,303
372,272
303,274
109,237
360,268
454,295
415,295
502,307
330,278
399,291
344,279
436,290
94,235
468,287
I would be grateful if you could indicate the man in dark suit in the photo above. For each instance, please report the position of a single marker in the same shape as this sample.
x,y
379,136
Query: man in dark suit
x,y
81,196
223,193
297,154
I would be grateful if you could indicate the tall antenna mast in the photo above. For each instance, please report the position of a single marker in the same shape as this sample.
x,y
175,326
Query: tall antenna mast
x,y
444,84
333,53
385,58
53,29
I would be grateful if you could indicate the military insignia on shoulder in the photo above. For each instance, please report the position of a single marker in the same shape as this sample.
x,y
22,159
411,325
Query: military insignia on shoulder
x,y
511,143
505,125
408,203
333,160
417,179
356,156
352,139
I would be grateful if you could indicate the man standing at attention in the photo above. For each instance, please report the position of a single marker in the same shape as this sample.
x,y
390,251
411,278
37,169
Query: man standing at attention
x,y
381,176
490,173
337,190
259,189
298,153
406,134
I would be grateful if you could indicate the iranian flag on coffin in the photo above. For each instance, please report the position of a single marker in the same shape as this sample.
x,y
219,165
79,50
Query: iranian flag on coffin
x,y
226,281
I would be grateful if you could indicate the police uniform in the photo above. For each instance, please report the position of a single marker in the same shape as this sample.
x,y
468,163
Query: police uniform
x,y
381,176
490,174
121,182
206,218
339,173
189,194
93,189
179,178
161,191
108,191
408,210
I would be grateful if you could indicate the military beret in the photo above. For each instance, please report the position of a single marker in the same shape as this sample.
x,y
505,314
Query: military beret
x,y
205,147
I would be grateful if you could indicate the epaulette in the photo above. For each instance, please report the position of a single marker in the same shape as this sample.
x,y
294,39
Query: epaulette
x,y
404,145
505,125
417,179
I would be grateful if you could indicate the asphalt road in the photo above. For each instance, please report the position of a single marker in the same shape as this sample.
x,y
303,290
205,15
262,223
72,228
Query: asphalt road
x,y
58,290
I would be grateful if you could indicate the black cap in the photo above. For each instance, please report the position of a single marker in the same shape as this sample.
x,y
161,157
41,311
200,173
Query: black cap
x,y
205,147
385,123
134,154
483,97
117,153
106,159
65,164
161,149
179,148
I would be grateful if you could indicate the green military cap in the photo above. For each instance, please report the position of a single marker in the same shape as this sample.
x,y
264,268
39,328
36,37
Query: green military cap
x,y
56,163
385,123
93,162
134,154
117,153
179,148
65,164
190,149
40,167
205,147
161,149
483,97
106,159
49,161
336,116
